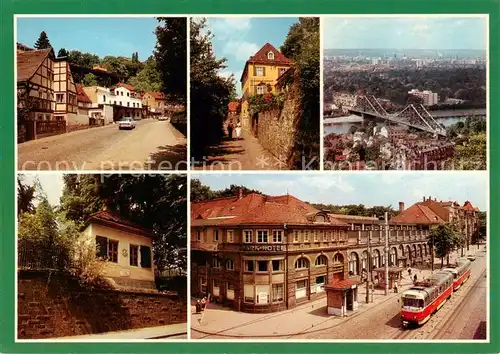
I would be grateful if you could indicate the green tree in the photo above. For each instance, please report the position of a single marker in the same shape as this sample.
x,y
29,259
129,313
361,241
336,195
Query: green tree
x,y
472,154
62,53
117,66
482,225
25,196
302,47
442,239
86,60
209,92
89,80
43,41
148,79
171,57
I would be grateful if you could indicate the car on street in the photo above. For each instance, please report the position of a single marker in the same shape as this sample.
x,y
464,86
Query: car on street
x,y
126,123
163,118
471,257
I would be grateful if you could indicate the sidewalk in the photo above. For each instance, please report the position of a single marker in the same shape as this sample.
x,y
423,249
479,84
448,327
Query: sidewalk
x,y
243,154
309,317
179,331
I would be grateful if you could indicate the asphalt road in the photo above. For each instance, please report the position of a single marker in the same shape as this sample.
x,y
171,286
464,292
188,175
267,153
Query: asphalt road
x,y
152,145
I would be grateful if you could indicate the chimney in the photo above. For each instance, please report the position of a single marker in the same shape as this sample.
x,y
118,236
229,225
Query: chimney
x,y
401,207
240,193
424,198
430,198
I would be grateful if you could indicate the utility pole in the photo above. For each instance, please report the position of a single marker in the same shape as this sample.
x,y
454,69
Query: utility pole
x,y
386,254
432,252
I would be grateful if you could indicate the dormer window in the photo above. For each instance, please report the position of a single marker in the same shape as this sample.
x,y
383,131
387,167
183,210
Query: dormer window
x,y
270,56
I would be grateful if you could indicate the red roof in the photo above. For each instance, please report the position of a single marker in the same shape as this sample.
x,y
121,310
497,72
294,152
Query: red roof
x,y
157,95
418,214
233,106
127,86
29,62
81,95
468,206
261,58
342,284
255,208
114,220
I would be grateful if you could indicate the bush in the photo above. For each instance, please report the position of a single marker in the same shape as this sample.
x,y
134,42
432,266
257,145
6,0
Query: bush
x,y
88,267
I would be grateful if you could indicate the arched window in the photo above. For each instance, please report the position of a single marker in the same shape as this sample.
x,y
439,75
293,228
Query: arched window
x,y
354,264
270,56
338,258
215,263
230,264
321,261
301,263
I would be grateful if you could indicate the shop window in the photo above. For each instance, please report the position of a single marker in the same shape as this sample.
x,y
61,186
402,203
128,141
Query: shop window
x,y
249,293
301,284
278,292
262,294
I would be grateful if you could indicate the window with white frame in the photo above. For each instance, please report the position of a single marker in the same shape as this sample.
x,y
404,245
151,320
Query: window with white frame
x,y
277,236
249,266
295,236
230,236
262,236
249,292
248,236
262,266
259,71
215,263
270,56
277,265
261,90
320,261
306,236
315,233
229,264
301,263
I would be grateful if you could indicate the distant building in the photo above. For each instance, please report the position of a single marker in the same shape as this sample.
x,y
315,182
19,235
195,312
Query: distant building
x,y
428,98
155,102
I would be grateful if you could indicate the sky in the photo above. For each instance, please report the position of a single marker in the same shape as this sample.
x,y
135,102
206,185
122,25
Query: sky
x,y
404,33
370,189
99,36
238,38
52,184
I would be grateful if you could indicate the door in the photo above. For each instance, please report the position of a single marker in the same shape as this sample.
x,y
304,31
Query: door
x,y
349,294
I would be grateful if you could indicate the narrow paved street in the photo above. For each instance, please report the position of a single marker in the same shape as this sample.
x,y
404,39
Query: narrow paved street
x,y
243,154
153,144
378,320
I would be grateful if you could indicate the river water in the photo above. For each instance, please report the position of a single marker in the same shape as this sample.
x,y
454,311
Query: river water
x,y
346,122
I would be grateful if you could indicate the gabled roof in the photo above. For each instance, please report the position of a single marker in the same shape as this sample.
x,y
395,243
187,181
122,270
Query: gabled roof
x,y
29,62
468,206
127,86
253,209
81,95
112,219
261,58
418,214
156,95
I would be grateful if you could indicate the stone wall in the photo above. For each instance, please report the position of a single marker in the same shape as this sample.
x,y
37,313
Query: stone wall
x,y
277,128
55,305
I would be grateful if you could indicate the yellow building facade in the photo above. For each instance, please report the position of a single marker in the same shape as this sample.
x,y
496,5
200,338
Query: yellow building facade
x,y
260,75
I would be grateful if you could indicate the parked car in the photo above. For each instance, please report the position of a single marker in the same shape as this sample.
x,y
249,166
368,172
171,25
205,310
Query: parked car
x,y
163,118
471,257
126,123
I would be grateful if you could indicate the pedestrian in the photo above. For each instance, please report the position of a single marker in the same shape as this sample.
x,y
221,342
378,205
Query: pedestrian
x,y
409,271
415,278
230,128
238,130
396,287
203,303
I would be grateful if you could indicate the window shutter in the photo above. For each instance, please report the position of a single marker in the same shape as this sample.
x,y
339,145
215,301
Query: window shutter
x,y
254,70
145,257
264,71
101,246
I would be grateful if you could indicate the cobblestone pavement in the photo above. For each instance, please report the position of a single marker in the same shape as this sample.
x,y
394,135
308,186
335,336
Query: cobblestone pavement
x,y
243,154
377,320
152,142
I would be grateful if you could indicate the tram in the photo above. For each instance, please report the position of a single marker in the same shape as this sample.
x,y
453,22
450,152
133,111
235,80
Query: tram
x,y
426,297
461,273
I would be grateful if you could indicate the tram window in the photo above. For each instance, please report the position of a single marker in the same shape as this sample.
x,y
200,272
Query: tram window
x,y
413,302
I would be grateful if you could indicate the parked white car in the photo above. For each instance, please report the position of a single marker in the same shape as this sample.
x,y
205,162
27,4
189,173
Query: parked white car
x,y
126,123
